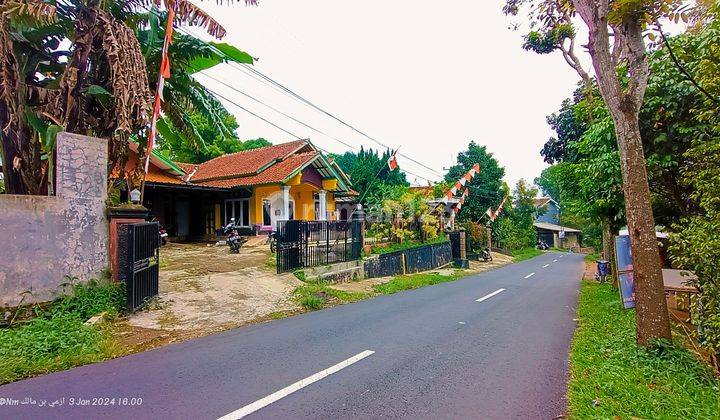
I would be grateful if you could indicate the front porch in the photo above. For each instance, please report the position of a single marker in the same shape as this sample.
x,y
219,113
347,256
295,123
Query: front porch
x,y
195,213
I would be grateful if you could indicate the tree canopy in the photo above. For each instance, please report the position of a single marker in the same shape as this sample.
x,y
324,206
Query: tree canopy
x,y
370,174
486,189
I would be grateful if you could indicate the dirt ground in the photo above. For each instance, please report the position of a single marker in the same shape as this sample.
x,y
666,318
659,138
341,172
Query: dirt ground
x,y
366,285
204,288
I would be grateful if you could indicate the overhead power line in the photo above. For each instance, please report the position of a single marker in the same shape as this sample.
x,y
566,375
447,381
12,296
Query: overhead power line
x,y
289,132
183,30
321,110
268,80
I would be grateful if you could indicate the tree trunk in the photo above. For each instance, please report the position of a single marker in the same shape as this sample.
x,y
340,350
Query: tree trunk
x,y
608,252
651,314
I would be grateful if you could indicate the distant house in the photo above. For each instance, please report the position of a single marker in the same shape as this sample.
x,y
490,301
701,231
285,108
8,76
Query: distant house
x,y
256,187
548,227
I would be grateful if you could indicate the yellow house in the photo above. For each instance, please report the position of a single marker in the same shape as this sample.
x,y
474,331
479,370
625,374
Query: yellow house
x,y
257,188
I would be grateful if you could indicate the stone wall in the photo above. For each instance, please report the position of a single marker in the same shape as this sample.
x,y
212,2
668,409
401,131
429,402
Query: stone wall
x,y
44,239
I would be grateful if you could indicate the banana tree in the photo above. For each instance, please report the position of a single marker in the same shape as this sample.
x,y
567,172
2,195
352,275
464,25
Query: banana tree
x,y
98,86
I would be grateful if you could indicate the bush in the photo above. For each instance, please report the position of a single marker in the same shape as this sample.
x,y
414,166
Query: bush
x,y
57,338
696,245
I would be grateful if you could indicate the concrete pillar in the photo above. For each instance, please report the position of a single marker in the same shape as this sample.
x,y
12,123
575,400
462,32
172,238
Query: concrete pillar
x,y
285,202
322,199
489,236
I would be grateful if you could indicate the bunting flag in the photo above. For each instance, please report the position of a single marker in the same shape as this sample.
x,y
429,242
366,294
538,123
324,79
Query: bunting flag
x,y
494,214
392,161
164,73
462,181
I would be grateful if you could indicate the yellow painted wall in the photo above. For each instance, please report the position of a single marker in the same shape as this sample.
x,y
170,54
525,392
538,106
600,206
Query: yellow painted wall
x,y
302,194
330,197
256,202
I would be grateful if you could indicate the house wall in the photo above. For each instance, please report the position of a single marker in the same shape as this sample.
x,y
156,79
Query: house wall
x,y
550,215
46,238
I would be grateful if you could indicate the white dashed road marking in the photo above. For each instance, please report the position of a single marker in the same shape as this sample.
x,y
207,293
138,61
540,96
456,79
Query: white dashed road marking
x,y
554,260
490,295
264,402
545,265
529,275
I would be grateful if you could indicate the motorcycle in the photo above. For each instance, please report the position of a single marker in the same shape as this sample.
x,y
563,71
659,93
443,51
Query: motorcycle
x,y
485,254
163,235
235,241
272,240
543,246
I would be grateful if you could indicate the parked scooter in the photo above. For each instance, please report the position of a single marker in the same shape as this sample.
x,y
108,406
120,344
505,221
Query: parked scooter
x,y
163,235
485,254
162,231
235,241
542,245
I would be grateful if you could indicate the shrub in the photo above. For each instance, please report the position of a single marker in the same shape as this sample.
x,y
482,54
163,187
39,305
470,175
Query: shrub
x,y
696,245
312,303
57,337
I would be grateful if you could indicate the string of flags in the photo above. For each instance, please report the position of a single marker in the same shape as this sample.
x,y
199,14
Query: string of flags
x,y
494,214
163,74
462,182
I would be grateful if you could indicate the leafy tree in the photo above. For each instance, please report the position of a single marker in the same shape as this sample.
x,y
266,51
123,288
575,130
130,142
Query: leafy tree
x,y
370,175
486,189
215,143
618,52
514,228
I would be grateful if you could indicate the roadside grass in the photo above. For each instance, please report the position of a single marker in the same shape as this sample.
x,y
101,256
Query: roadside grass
x,y
314,295
525,253
610,377
415,281
592,257
55,337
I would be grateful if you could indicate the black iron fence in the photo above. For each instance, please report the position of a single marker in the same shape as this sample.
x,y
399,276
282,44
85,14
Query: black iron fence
x,y
139,262
303,243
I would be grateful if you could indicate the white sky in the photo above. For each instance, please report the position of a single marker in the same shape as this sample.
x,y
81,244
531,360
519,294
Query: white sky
x,y
424,76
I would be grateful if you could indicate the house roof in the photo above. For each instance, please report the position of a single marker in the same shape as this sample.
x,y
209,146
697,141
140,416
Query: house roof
x,y
555,228
279,172
266,165
248,162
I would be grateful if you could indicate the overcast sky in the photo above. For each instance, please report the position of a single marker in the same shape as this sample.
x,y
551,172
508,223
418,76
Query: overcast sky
x,y
424,76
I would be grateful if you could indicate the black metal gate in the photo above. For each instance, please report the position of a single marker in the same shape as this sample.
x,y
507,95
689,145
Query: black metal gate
x,y
139,261
314,243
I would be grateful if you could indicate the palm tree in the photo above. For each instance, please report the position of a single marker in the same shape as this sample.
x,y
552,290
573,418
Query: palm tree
x,y
99,86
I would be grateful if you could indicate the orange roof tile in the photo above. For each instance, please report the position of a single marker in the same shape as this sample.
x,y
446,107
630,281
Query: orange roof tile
x,y
246,162
274,174
158,177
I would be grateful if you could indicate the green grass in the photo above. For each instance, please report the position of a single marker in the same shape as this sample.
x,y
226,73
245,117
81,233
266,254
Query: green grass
x,y
316,295
56,338
271,261
592,257
610,377
526,253
300,274
414,281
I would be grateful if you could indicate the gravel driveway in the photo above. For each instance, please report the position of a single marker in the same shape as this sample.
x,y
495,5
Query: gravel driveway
x,y
205,288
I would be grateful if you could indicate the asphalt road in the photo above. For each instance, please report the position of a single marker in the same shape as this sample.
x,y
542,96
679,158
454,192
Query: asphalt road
x,y
435,352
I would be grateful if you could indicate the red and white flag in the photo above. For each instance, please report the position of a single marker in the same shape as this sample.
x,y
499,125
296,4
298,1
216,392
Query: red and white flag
x,y
163,74
392,161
